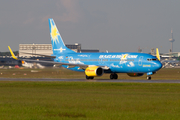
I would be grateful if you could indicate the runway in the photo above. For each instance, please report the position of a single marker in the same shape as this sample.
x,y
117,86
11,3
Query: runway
x,y
95,80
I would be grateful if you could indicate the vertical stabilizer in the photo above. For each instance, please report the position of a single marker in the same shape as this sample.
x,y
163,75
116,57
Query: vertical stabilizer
x,y
12,54
58,45
157,54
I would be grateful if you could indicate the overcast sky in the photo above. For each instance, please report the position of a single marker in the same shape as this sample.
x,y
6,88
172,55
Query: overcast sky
x,y
113,25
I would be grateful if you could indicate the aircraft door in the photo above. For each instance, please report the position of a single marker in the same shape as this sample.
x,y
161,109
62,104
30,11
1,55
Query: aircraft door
x,y
140,60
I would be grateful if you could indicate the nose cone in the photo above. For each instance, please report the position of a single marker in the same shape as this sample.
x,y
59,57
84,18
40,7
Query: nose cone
x,y
158,65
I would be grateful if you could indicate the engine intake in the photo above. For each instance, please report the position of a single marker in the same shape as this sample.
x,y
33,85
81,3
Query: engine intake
x,y
94,71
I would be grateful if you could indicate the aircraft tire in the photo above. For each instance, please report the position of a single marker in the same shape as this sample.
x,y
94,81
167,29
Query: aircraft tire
x,y
148,77
113,76
87,77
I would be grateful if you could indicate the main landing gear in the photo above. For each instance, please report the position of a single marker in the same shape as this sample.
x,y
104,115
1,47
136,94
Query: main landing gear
x,y
113,76
148,77
87,77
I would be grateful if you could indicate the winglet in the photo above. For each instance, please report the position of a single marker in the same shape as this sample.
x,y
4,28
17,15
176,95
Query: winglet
x,y
157,54
14,57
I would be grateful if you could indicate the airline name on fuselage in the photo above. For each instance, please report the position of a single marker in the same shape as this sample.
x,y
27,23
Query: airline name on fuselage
x,y
118,56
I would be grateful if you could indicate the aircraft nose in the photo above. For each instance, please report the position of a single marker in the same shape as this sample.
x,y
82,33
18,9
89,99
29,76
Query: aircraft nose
x,y
159,65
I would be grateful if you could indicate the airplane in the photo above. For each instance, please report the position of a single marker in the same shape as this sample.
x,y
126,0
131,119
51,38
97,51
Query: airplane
x,y
97,64
31,65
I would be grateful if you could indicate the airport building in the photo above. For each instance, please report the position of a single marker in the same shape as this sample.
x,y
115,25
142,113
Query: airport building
x,y
171,54
45,49
28,50
75,47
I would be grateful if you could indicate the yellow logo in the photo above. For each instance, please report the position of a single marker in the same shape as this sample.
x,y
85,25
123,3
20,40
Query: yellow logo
x,y
124,56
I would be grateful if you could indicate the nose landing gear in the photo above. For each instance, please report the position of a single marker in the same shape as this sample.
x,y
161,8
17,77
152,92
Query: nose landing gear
x,y
148,77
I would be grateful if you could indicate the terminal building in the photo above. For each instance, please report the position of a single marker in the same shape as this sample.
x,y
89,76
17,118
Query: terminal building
x,y
46,49
171,54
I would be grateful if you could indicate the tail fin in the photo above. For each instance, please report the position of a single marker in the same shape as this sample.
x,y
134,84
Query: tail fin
x,y
12,54
157,54
58,45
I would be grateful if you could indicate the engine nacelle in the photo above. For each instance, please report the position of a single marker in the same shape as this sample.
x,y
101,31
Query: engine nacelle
x,y
94,71
135,74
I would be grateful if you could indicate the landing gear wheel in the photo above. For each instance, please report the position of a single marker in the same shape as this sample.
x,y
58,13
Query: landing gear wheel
x,y
113,76
87,77
148,77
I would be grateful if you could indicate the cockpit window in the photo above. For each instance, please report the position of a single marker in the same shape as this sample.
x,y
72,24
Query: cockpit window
x,y
154,59
150,59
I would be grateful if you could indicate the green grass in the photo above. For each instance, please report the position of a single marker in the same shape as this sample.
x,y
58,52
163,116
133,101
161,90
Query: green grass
x,y
88,100
163,74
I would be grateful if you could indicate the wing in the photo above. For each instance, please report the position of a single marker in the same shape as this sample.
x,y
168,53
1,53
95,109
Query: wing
x,y
55,63
70,65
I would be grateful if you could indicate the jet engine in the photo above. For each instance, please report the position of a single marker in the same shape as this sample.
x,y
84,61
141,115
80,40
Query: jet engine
x,y
135,74
94,71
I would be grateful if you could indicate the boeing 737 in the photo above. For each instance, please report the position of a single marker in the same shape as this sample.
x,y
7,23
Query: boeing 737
x,y
96,64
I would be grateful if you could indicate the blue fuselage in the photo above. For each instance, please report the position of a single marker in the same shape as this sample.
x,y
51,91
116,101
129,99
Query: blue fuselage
x,y
116,62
